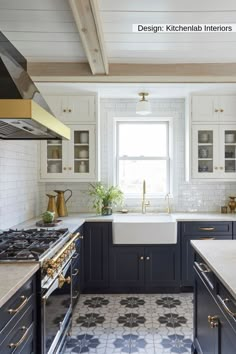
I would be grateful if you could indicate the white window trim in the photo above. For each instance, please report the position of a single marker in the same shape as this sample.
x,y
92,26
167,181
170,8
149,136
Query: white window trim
x,y
170,160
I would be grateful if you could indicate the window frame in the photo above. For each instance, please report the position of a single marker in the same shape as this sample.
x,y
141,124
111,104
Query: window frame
x,y
168,158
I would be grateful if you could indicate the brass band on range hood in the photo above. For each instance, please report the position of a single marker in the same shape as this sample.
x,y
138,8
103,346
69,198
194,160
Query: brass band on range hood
x,y
27,110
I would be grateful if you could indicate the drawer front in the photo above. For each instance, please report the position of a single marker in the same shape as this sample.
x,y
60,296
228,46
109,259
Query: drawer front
x,y
207,228
19,335
227,304
17,304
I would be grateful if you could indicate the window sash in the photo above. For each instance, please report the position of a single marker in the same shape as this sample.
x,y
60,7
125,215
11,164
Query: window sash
x,y
145,158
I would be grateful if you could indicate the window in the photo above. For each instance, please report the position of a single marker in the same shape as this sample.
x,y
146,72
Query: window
x,y
142,152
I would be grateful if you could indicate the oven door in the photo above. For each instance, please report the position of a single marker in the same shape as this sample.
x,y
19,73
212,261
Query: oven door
x,y
57,311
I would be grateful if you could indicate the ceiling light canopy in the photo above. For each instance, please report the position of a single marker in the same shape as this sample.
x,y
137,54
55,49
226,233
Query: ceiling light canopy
x,y
143,107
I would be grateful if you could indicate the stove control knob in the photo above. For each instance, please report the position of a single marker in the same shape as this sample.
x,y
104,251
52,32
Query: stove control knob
x,y
50,272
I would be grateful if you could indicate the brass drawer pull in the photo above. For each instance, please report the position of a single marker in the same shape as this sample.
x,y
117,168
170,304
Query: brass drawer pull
x,y
76,296
24,302
75,273
206,228
206,238
16,345
202,267
223,302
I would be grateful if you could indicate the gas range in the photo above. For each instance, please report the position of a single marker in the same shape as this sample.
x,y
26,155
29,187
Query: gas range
x,y
29,245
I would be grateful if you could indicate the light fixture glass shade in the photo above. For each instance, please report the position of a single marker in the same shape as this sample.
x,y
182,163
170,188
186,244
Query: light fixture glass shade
x,y
143,107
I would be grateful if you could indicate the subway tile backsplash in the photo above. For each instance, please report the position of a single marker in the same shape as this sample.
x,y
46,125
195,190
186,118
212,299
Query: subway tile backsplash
x,y
19,187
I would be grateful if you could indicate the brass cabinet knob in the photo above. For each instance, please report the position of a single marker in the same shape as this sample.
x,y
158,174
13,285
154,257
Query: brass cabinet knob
x,y
216,168
141,258
221,110
147,258
70,168
213,321
69,110
221,168
64,110
64,168
216,110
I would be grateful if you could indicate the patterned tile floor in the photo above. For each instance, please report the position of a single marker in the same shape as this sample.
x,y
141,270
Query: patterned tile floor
x,y
147,324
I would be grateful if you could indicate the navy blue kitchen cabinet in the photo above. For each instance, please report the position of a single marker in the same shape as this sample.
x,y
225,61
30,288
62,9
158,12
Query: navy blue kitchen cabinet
x,y
144,269
126,268
214,327
95,245
199,230
18,321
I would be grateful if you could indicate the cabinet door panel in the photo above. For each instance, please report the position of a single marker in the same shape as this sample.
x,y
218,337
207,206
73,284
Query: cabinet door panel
x,y
228,151
161,266
227,106
203,109
96,254
205,151
127,267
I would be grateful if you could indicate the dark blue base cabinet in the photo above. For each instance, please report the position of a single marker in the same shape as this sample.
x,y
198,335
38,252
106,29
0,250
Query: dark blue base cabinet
x,y
113,268
214,327
144,269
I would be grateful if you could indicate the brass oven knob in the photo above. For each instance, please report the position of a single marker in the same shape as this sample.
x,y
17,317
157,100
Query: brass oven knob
x,y
62,280
50,272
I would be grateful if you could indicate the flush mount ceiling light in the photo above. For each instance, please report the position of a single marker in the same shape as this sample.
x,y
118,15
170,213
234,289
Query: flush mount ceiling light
x,y
143,106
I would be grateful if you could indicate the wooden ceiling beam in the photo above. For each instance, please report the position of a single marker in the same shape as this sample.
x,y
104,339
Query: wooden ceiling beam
x,y
87,18
80,72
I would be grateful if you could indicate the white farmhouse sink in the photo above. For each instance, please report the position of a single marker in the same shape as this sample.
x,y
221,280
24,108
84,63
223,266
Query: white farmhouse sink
x,y
144,229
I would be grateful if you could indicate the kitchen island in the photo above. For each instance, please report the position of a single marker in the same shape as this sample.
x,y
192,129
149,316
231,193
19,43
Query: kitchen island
x,y
214,297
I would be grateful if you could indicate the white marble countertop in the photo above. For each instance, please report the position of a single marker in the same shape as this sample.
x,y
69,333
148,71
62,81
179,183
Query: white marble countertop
x,y
220,256
75,220
13,276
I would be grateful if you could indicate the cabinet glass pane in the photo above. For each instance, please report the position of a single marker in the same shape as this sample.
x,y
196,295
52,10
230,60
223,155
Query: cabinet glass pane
x,y
81,151
229,151
54,156
205,151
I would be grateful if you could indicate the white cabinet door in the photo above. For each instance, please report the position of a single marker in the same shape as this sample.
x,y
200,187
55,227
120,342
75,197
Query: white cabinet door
x,y
205,151
54,156
228,151
203,109
82,153
73,109
227,109
81,109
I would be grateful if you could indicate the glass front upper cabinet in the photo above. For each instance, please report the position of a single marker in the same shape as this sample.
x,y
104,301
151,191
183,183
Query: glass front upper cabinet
x,y
229,151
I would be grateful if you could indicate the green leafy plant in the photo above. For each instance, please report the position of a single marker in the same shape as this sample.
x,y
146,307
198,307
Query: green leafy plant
x,y
105,197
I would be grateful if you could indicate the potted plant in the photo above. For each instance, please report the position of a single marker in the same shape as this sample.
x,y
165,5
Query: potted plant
x,y
105,197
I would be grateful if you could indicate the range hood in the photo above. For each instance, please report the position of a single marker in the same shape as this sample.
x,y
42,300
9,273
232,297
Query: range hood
x,y
24,114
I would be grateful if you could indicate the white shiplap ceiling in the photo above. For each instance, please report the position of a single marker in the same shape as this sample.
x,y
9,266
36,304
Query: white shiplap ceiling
x,y
45,31
42,30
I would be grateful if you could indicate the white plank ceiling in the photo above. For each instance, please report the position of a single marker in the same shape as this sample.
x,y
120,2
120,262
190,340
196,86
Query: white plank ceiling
x,y
123,46
44,31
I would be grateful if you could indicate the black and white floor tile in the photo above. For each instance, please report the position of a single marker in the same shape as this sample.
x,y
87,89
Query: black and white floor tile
x,y
138,324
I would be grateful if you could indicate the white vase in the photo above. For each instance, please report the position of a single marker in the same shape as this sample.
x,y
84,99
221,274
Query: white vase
x,y
83,137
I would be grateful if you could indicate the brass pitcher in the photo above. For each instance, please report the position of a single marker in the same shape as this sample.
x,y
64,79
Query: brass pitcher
x,y
52,205
61,202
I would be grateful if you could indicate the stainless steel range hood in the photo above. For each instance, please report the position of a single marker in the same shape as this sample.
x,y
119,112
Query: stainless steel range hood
x,y
24,114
